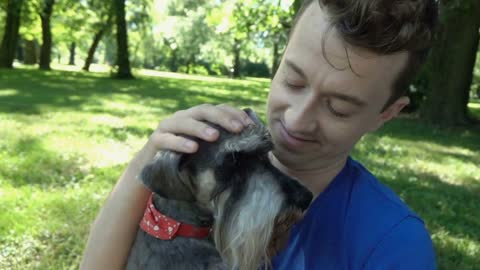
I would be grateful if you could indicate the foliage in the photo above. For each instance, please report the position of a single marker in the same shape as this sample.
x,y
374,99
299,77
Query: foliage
x,y
178,34
30,27
260,70
186,36
3,17
250,29
67,136
475,89
168,34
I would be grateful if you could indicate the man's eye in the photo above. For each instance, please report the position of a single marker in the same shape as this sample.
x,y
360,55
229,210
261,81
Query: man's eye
x,y
293,85
334,111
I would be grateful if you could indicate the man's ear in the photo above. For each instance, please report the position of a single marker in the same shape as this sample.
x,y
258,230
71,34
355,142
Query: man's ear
x,y
391,111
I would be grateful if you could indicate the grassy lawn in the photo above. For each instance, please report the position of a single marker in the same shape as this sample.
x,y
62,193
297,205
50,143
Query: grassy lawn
x,y
66,136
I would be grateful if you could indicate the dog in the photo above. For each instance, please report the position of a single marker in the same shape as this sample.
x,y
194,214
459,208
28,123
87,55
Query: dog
x,y
224,207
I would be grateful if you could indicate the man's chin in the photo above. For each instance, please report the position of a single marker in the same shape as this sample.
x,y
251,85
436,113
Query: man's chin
x,y
289,157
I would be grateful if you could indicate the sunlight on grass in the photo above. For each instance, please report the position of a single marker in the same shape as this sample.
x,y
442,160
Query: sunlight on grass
x,y
8,92
172,75
474,107
50,230
107,120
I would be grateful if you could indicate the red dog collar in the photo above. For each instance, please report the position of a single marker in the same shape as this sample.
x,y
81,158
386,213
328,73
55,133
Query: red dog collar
x,y
162,227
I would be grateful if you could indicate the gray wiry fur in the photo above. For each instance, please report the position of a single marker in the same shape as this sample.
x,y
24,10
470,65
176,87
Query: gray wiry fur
x,y
229,185
254,218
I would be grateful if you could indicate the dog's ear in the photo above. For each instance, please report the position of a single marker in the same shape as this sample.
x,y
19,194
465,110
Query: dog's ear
x,y
251,113
165,177
254,139
261,140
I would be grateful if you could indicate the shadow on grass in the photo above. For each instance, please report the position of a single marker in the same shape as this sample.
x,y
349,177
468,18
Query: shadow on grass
x,y
34,92
414,130
120,134
61,217
449,211
30,163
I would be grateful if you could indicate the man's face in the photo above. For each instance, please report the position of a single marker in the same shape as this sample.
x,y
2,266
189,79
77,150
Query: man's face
x,y
316,111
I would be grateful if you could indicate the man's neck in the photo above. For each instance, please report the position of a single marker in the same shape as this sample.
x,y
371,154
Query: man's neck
x,y
316,180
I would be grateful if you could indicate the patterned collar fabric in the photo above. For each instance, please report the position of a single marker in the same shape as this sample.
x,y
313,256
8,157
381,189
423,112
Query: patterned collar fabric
x,y
162,227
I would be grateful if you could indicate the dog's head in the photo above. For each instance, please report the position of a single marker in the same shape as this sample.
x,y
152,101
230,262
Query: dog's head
x,y
254,204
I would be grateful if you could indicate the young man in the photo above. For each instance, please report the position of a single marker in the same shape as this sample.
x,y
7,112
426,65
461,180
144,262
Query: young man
x,y
343,74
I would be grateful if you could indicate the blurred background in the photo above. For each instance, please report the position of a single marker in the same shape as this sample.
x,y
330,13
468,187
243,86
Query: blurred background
x,y
84,82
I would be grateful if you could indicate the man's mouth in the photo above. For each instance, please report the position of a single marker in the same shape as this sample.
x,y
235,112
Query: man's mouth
x,y
293,139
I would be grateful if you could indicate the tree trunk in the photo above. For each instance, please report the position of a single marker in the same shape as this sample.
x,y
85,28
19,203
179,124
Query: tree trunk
x,y
46,49
276,45
72,54
30,52
276,57
110,52
123,61
451,64
236,58
10,36
20,50
91,52
173,63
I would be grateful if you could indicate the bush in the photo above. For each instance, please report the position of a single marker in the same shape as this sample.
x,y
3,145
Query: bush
x,y
251,69
417,96
417,91
200,70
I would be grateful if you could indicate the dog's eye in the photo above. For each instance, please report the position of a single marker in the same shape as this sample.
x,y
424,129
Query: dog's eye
x,y
231,160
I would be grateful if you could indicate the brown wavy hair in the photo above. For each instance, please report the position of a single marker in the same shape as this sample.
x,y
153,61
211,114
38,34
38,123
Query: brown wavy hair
x,y
385,27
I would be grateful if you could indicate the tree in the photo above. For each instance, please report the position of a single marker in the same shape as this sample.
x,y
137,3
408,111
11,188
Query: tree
x,y
70,23
30,29
46,49
123,61
10,37
3,15
451,63
93,47
140,27
297,4
236,24
245,16
275,28
103,11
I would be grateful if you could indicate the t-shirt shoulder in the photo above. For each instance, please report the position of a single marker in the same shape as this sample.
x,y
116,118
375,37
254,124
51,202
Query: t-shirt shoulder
x,y
379,191
374,213
406,246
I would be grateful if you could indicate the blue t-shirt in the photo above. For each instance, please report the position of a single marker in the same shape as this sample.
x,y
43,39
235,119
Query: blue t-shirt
x,y
357,223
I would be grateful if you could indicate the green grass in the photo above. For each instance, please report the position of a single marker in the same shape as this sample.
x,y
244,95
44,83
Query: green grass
x,y
474,108
66,136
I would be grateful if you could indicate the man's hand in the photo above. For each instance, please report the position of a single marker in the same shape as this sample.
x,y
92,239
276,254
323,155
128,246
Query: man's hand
x,y
189,122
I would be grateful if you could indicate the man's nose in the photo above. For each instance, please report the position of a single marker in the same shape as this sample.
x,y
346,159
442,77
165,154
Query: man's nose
x,y
300,117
